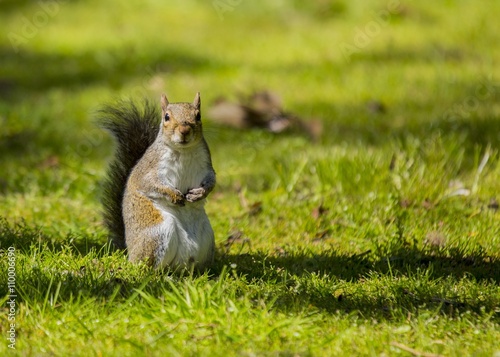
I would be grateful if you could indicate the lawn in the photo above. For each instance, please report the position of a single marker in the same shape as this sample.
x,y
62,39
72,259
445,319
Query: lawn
x,y
380,238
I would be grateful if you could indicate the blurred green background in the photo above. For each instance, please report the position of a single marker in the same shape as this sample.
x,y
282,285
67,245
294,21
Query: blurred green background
x,y
377,74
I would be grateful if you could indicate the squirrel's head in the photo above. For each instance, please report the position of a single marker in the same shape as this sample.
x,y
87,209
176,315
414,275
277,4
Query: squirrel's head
x,y
181,122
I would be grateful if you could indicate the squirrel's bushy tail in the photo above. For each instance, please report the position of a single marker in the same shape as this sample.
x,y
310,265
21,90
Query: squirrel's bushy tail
x,y
134,128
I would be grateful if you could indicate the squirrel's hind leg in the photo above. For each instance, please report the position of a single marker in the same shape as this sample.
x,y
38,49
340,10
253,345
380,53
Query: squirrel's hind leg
x,y
156,245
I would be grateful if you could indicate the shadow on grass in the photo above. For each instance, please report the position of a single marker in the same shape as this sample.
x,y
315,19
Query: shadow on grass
x,y
412,54
357,267
8,6
14,144
292,272
289,279
23,237
31,72
468,115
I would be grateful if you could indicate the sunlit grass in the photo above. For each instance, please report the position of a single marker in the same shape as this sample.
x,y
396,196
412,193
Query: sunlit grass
x,y
380,239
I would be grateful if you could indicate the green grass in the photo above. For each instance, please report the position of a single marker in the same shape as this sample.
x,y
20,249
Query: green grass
x,y
360,244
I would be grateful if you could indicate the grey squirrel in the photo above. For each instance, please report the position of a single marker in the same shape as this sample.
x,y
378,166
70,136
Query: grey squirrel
x,y
155,190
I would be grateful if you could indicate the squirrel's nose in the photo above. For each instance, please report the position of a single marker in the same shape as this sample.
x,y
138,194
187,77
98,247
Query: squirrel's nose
x,y
184,129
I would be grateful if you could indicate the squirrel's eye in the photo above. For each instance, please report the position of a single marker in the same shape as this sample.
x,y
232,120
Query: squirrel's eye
x,y
198,116
167,117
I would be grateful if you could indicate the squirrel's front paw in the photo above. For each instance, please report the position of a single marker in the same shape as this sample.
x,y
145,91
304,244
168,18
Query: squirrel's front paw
x,y
195,194
178,198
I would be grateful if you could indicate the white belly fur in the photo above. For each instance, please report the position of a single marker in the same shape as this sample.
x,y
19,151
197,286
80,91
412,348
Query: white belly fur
x,y
186,234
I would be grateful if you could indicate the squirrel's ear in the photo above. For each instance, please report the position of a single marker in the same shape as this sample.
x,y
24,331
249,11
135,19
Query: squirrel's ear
x,y
197,101
164,102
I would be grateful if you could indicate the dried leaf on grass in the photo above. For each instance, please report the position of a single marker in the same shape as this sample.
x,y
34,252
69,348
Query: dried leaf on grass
x,y
262,110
